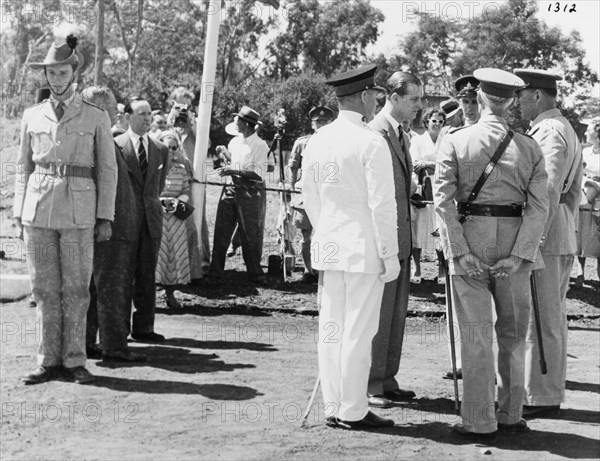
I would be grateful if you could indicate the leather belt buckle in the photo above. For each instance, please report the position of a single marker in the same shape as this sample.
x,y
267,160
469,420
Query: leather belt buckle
x,y
61,170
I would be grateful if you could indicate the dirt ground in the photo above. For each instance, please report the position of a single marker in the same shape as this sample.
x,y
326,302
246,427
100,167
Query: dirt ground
x,y
237,371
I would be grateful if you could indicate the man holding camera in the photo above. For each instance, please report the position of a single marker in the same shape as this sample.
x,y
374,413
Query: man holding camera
x,y
243,201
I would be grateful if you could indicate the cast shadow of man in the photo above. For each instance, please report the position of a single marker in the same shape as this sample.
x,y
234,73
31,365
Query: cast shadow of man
x,y
178,360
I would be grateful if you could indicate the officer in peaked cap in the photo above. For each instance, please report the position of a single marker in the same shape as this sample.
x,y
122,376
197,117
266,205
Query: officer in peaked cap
x,y
350,201
64,196
453,111
490,239
320,116
466,88
562,155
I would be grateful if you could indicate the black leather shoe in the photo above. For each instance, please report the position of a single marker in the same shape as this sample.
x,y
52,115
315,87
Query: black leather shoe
x,y
379,401
516,428
123,355
450,375
41,375
460,430
399,395
79,375
334,421
93,351
148,337
370,421
540,411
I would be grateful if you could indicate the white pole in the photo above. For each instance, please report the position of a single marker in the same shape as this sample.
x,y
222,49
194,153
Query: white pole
x,y
204,113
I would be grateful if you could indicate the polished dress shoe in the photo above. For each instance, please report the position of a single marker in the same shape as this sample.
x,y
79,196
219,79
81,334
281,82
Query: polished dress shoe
x,y
334,421
450,375
460,430
123,355
379,401
151,337
516,428
93,351
370,421
399,395
536,411
78,375
41,375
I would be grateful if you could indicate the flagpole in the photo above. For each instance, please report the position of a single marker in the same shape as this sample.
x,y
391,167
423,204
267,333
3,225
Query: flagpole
x,y
204,112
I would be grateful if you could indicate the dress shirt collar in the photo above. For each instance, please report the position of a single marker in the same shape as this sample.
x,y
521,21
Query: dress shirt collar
x,y
135,139
492,118
395,124
250,139
551,113
66,102
353,117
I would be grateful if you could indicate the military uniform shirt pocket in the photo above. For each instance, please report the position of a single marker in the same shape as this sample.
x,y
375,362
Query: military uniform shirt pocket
x,y
41,140
83,192
84,140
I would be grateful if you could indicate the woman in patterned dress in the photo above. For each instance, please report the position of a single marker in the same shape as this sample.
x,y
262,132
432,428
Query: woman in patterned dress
x,y
173,266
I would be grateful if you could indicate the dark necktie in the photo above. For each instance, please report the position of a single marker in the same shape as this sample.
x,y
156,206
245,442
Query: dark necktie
x,y
60,110
401,138
142,158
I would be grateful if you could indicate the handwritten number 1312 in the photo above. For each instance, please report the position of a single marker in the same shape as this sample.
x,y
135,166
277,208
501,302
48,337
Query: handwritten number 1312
x,y
557,8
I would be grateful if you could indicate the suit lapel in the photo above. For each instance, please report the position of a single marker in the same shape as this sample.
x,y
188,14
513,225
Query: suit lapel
x,y
131,159
153,161
396,145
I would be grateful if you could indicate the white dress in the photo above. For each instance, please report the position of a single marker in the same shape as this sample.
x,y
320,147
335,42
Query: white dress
x,y
422,148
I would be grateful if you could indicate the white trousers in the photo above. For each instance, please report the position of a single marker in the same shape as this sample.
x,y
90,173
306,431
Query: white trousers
x,y
348,321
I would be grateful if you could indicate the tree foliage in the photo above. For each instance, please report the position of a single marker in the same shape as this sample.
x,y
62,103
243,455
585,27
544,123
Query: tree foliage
x,y
511,37
325,37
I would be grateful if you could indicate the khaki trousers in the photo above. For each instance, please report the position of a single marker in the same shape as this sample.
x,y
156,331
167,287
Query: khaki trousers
x,y
60,266
474,309
348,321
552,286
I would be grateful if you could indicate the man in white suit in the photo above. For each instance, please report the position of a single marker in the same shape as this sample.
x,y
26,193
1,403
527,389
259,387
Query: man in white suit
x,y
350,199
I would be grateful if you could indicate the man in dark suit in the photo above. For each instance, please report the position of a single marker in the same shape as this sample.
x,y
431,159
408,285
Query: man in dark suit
x,y
147,162
405,93
110,290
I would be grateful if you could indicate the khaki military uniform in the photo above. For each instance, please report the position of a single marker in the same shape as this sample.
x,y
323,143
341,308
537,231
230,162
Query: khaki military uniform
x,y
519,177
562,154
58,199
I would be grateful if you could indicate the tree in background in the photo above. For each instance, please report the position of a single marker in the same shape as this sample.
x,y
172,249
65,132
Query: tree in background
x,y
325,37
511,37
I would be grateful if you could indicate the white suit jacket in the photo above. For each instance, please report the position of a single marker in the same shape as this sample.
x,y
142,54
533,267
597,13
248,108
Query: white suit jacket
x,y
349,197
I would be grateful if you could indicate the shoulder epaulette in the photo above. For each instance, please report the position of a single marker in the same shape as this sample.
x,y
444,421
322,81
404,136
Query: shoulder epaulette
x,y
92,104
455,129
525,134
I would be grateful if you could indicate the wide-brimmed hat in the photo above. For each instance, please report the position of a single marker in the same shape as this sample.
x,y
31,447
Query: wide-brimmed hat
x,y
450,107
249,115
63,53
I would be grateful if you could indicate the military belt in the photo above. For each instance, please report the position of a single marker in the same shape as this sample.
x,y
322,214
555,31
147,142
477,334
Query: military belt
x,y
65,170
499,211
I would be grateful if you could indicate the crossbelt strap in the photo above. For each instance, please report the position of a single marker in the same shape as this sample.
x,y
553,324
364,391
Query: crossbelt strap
x,y
487,171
